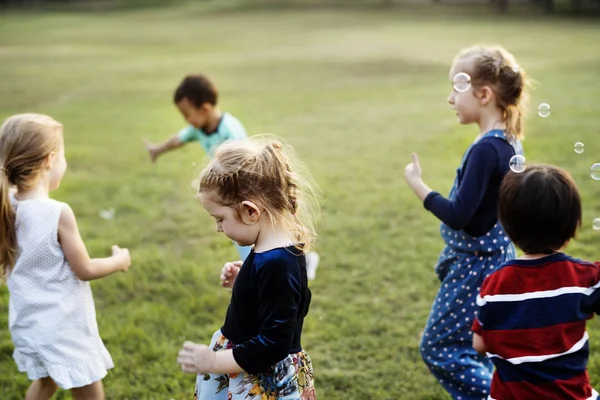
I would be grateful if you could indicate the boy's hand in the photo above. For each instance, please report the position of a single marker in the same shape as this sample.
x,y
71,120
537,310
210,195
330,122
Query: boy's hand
x,y
152,150
229,272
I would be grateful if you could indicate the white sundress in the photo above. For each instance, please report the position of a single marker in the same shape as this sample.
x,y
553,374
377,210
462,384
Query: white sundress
x,y
51,313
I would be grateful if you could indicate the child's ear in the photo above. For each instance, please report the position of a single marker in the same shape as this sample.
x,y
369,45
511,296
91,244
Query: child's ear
x,y
49,161
486,95
250,212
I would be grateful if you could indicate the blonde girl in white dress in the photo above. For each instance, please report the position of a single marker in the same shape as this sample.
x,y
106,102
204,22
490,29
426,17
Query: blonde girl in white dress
x,y
52,319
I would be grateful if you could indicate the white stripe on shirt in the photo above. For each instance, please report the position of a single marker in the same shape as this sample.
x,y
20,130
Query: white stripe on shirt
x,y
544,294
527,359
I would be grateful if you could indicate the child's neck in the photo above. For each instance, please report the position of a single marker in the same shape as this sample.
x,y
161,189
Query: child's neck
x,y
490,120
272,238
213,121
41,190
536,256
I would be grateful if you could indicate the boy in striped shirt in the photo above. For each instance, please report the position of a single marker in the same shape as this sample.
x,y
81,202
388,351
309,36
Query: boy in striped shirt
x,y
533,310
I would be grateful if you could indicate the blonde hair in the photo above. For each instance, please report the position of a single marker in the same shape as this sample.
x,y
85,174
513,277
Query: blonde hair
x,y
497,68
266,172
26,142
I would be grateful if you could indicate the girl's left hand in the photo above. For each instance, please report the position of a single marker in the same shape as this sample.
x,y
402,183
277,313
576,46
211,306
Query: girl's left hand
x,y
412,172
196,358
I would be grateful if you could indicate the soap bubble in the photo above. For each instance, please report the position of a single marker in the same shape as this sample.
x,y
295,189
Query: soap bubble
x,y
595,172
517,163
461,82
544,110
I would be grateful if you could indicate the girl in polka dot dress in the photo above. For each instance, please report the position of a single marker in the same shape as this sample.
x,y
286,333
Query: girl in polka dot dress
x,y
51,314
488,90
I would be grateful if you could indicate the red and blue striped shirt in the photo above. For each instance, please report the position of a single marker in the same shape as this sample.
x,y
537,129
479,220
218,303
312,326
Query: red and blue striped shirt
x,y
532,318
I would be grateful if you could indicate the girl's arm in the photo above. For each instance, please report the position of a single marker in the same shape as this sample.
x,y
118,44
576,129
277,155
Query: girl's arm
x,y
278,292
482,164
76,253
201,359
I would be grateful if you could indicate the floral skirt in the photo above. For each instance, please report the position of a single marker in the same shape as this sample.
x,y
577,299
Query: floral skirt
x,y
290,379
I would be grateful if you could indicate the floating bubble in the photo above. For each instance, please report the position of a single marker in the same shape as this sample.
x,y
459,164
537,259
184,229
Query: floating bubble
x,y
461,82
107,214
517,163
595,171
544,110
596,224
515,68
579,147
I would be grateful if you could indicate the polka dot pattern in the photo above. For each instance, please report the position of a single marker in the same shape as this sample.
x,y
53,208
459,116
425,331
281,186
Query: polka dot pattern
x,y
52,318
446,345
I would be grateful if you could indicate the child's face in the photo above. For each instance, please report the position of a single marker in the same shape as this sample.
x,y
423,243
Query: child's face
x,y
197,117
244,232
465,103
58,166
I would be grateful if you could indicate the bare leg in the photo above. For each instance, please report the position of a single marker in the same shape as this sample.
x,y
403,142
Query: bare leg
x,y
41,389
95,391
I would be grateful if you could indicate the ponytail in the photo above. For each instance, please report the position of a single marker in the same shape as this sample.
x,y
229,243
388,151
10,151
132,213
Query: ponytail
x,y
513,115
8,234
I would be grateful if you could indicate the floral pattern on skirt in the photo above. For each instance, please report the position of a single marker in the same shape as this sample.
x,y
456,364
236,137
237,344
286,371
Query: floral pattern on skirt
x,y
290,379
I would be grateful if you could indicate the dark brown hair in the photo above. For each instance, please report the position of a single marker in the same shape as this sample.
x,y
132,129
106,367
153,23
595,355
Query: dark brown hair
x,y
539,208
198,89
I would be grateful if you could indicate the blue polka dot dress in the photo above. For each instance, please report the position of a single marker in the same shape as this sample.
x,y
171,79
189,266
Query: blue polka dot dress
x,y
446,345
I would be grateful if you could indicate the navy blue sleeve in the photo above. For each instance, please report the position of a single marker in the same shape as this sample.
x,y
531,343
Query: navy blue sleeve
x,y
481,164
278,287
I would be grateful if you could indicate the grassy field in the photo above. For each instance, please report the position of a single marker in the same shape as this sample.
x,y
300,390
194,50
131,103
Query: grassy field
x,y
355,90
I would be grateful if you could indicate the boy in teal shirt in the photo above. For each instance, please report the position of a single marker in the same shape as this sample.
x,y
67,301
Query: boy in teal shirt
x,y
196,98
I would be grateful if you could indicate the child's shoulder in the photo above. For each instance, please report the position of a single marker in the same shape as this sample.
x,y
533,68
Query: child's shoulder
x,y
553,266
276,258
39,204
493,143
233,125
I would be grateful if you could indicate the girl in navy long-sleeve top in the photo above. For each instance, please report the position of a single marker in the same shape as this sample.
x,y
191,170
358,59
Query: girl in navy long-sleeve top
x,y
488,90
258,198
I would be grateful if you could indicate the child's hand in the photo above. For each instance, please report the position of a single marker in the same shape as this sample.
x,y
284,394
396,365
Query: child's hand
x,y
412,172
151,148
229,273
196,358
123,256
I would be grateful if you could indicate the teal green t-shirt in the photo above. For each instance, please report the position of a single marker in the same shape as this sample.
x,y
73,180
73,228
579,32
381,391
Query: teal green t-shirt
x,y
229,128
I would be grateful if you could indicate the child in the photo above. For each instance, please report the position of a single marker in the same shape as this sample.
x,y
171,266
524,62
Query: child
x,y
258,197
51,313
533,310
475,241
196,99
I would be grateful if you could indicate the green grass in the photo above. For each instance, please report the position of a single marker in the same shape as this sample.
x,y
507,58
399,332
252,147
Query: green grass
x,y
355,90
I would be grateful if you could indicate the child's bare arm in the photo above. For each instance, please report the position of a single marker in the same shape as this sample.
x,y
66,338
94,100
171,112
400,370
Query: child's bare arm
x,y
479,344
155,150
77,255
